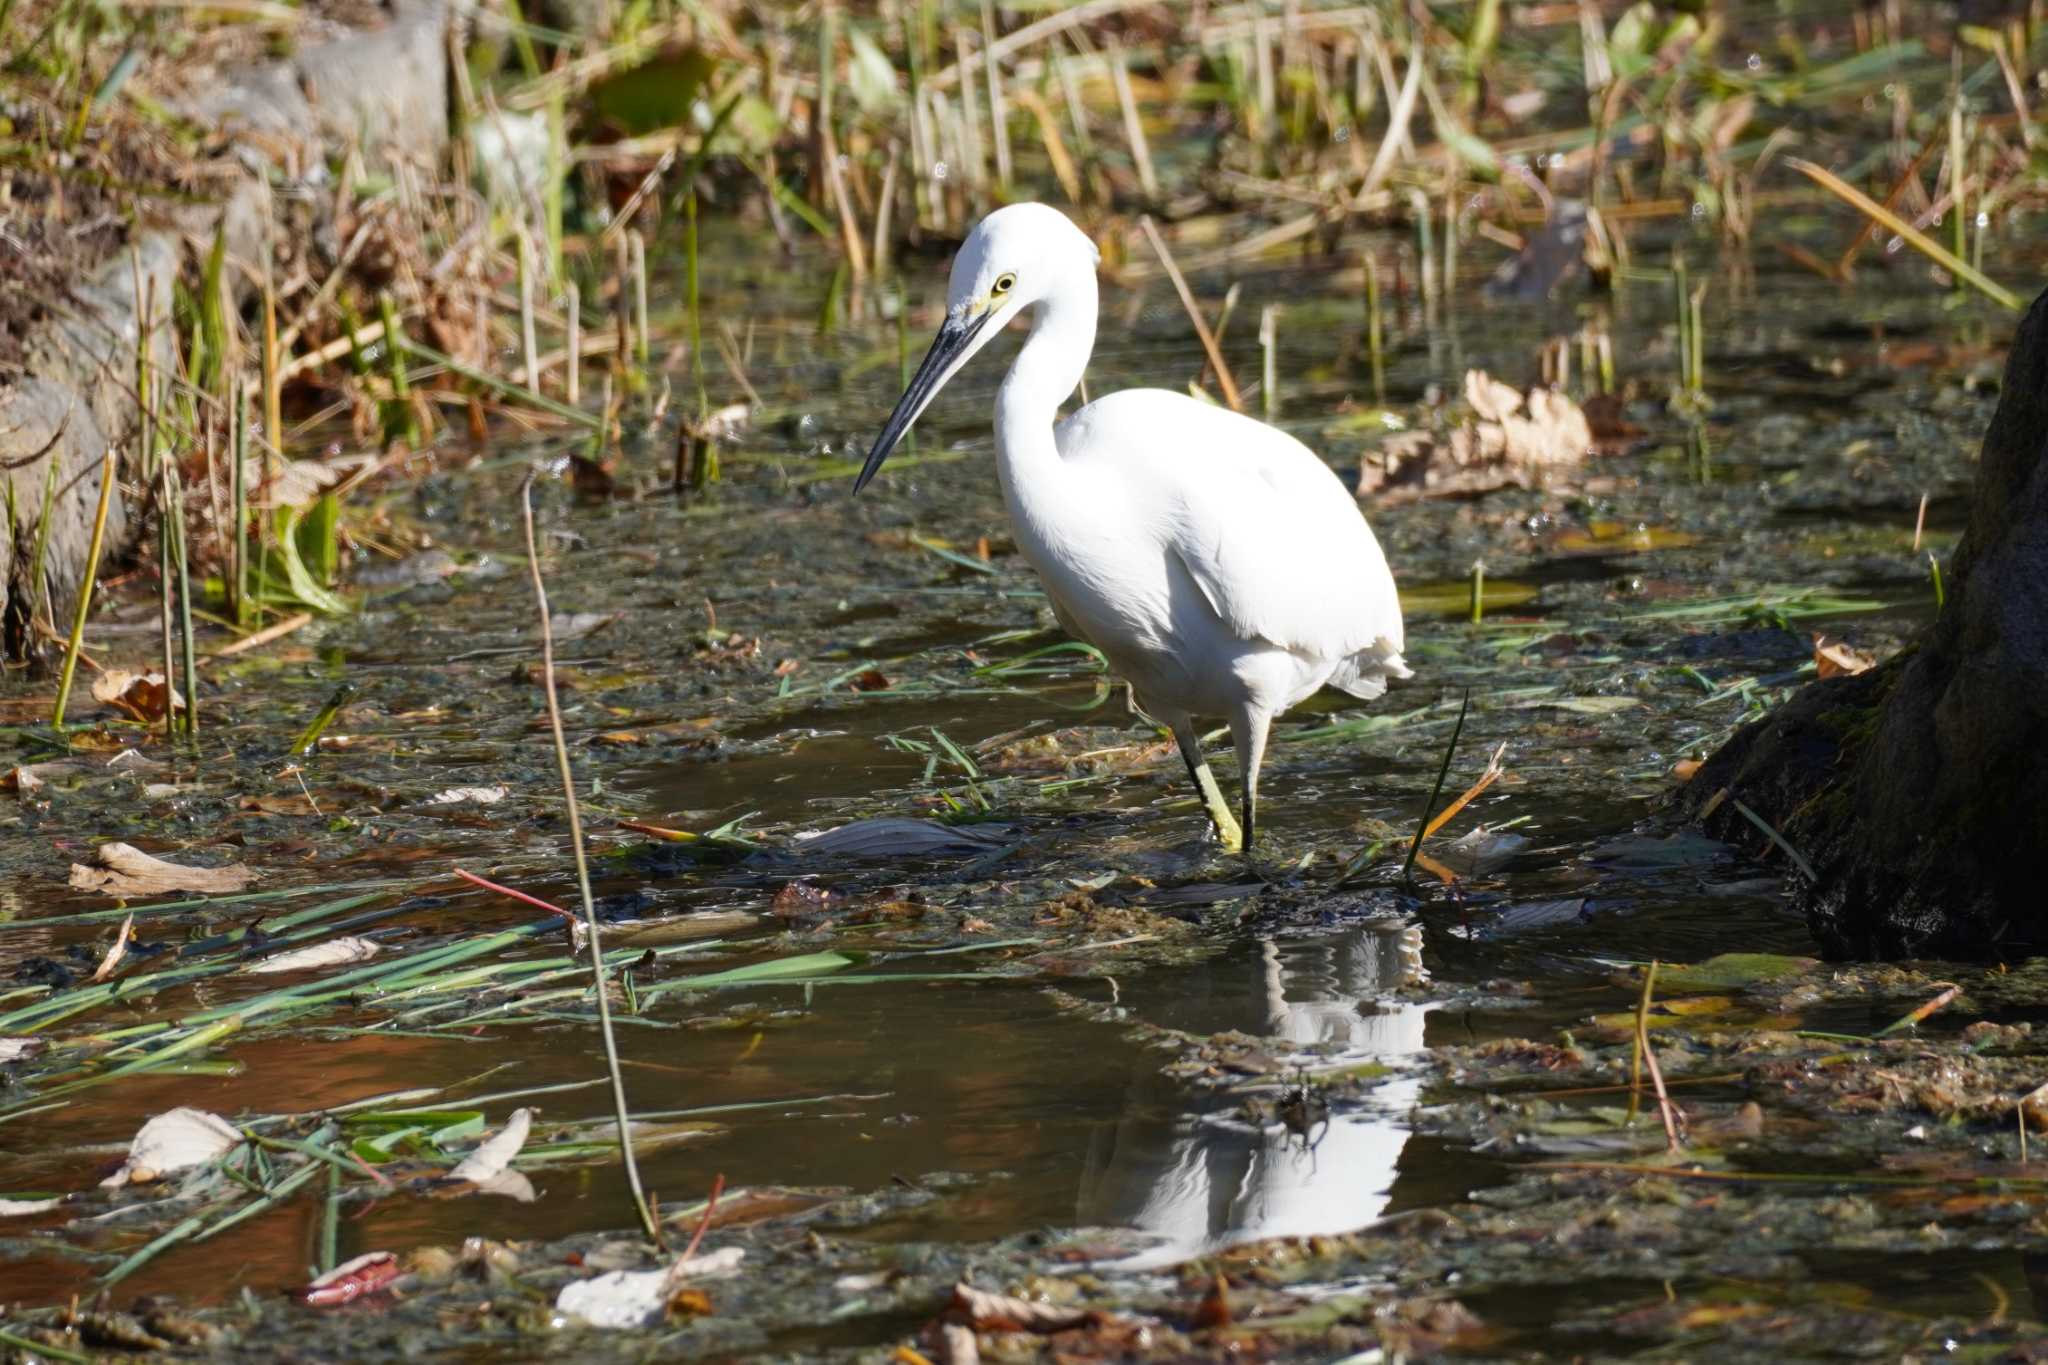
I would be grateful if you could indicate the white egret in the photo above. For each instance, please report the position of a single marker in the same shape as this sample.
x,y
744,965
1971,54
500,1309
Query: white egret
x,y
1219,565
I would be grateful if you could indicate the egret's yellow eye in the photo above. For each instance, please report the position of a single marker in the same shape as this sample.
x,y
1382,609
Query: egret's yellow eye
x,y
1005,282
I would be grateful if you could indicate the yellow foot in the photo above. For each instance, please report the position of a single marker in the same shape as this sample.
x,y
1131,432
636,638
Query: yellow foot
x,y
1228,832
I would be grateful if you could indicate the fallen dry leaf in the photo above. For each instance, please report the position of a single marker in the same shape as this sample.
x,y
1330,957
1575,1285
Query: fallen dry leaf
x,y
174,1141
1838,660
141,696
127,871
288,483
1509,440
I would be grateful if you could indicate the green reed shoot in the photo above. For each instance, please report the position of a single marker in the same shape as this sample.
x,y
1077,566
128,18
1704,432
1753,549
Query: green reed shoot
x,y
694,304
38,583
636,257
399,415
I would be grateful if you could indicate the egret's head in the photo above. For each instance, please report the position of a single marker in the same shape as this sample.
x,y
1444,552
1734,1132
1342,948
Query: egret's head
x,y
1014,258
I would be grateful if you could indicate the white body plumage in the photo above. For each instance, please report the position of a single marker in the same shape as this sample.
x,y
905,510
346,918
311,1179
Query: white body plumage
x,y
1219,565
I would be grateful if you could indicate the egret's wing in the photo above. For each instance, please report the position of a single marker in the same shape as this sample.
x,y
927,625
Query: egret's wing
x,y
1266,529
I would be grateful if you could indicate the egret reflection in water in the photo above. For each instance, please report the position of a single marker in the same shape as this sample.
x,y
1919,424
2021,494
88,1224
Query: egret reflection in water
x,y
1207,1181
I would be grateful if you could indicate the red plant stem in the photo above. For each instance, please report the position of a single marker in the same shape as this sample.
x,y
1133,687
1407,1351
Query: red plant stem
x,y
704,1223
515,895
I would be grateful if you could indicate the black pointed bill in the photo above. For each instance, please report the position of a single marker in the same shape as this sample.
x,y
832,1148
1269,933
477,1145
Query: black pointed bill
x,y
950,348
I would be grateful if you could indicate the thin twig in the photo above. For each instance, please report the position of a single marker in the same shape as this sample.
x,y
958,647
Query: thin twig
x,y
264,636
1920,1012
1486,779
1912,236
1187,301
604,1009
1665,1109
703,1224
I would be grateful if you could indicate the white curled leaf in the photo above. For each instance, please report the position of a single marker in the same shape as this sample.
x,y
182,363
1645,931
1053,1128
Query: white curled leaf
x,y
639,1298
335,952
511,1184
491,1158
175,1141
456,796
16,1208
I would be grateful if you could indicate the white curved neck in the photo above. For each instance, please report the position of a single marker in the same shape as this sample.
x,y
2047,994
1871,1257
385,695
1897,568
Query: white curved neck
x,y
1044,375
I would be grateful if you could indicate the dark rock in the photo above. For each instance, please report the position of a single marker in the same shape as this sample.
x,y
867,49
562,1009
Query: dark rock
x,y
1917,791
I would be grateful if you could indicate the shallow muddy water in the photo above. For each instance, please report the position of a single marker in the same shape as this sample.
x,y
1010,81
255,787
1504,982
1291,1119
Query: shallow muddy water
x,y
777,655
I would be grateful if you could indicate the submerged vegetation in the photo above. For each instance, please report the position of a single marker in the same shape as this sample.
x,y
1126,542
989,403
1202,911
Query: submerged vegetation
x,y
1657,339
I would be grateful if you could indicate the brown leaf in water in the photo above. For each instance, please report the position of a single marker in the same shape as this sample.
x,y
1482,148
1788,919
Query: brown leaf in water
x,y
128,872
1214,1309
804,899
874,680
591,479
1838,660
95,741
880,912
737,1208
140,696
1607,415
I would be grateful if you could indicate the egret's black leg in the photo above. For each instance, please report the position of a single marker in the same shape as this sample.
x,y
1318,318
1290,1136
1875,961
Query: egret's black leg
x,y
1249,732
1205,782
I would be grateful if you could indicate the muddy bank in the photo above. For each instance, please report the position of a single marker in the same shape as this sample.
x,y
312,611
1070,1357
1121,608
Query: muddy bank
x,y
374,98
